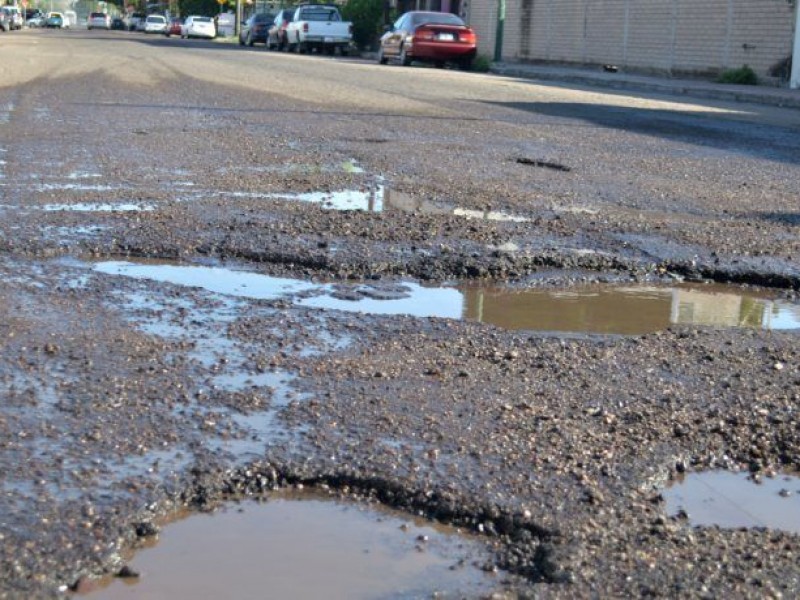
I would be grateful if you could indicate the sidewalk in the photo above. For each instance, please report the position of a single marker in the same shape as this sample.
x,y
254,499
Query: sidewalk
x,y
755,94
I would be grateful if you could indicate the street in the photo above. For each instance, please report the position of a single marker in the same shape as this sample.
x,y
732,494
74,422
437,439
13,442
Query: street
x,y
204,253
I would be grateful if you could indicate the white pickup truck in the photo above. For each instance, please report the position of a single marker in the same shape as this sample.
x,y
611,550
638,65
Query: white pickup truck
x,y
318,27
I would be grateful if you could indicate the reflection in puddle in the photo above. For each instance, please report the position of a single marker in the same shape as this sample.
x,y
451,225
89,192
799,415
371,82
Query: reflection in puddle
x,y
380,198
309,548
732,500
214,279
612,310
87,207
626,310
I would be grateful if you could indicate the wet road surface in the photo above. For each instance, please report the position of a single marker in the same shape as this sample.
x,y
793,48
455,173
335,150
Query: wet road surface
x,y
128,399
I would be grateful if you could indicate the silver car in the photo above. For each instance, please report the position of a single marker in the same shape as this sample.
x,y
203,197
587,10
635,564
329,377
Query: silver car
x,y
98,20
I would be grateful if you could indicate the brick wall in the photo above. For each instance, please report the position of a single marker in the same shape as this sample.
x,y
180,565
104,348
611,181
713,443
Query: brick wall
x,y
678,36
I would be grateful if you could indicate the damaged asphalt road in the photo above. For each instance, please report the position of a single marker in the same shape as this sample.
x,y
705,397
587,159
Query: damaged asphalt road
x,y
124,399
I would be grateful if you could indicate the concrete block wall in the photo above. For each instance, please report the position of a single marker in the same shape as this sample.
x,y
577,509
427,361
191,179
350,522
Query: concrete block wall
x,y
676,36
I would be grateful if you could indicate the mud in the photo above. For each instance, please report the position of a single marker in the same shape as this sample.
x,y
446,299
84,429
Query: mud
x,y
127,399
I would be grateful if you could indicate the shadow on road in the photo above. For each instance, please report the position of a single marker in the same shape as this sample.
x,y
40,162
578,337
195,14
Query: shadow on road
x,y
704,129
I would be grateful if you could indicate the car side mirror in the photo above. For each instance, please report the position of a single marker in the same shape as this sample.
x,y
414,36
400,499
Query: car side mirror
x,y
388,28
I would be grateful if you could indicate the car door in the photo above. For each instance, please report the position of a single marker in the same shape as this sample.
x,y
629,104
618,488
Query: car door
x,y
394,37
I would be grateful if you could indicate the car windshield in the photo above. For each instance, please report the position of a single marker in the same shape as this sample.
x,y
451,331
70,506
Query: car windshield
x,y
436,19
97,16
155,19
320,14
202,19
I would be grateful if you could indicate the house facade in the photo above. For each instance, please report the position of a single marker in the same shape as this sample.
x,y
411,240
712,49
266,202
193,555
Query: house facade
x,y
677,37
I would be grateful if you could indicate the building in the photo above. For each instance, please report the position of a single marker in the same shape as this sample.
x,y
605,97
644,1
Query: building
x,y
674,37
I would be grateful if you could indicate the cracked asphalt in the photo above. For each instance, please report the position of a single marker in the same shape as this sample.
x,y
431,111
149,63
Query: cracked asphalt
x,y
124,399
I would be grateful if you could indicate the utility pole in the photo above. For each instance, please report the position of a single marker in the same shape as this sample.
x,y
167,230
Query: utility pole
x,y
794,78
501,21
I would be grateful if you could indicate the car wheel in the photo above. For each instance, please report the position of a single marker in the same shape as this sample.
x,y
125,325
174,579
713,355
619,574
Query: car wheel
x,y
381,58
405,59
439,64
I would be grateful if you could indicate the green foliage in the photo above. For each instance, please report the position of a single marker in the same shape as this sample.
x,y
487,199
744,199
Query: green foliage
x,y
482,63
367,19
207,8
744,75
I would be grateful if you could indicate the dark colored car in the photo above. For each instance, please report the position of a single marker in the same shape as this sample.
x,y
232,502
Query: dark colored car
x,y
432,37
173,27
255,29
117,24
276,36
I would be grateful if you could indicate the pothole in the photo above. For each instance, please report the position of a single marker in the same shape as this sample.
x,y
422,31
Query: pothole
x,y
98,207
734,500
304,547
628,310
380,198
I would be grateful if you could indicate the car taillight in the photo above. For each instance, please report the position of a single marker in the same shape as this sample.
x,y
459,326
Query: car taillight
x,y
424,34
305,27
468,37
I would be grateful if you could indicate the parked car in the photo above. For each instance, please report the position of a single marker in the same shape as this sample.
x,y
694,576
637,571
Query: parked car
x,y
98,20
432,37
155,24
13,18
134,19
318,27
255,29
118,24
55,20
35,18
70,18
173,27
197,26
276,36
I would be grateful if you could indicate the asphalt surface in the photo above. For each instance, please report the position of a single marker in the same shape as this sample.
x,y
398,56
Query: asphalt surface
x,y
125,398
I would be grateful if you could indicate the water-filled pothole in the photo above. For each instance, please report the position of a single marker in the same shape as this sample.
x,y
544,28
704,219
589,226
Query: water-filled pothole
x,y
306,547
733,500
98,207
379,198
629,310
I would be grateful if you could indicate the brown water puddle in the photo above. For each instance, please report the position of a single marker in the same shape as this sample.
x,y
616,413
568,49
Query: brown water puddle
x,y
733,500
626,310
304,547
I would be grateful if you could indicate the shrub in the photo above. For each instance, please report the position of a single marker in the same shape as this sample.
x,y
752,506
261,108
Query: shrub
x,y
481,63
744,75
367,19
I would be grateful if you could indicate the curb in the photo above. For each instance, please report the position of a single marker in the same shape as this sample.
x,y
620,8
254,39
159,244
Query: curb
x,y
782,99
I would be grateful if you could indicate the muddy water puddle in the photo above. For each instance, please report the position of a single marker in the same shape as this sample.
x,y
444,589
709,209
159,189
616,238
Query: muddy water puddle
x,y
625,310
304,547
734,500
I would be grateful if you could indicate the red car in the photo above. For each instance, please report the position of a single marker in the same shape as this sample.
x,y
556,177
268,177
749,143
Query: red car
x,y
432,37
173,27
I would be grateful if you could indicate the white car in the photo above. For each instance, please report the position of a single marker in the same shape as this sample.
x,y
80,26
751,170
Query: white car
x,y
155,24
196,26
98,20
